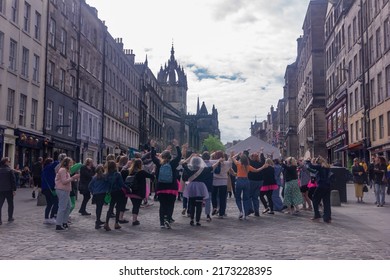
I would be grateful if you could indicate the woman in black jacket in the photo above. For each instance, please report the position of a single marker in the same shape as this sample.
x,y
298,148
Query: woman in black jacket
x,y
87,171
167,186
138,189
7,187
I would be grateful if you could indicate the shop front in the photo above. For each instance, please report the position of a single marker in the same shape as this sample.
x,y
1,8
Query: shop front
x,y
61,146
337,149
381,150
29,147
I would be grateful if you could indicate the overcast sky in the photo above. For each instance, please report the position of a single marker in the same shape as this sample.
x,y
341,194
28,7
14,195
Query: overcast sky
x,y
234,52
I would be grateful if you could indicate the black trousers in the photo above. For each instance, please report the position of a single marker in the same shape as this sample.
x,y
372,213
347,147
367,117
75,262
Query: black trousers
x,y
195,207
167,205
9,196
99,202
269,198
219,195
86,198
263,200
136,205
324,195
116,202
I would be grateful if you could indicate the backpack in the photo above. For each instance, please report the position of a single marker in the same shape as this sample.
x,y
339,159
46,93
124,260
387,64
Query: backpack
x,y
131,183
165,174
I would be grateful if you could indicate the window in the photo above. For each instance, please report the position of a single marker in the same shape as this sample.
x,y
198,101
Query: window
x,y
386,33
60,119
63,7
70,121
25,59
354,30
373,127
2,6
36,68
371,49
378,42
351,133
13,47
10,105
50,73
22,110
52,32
387,81
1,48
27,17
388,123
74,9
63,42
72,86
37,26
14,11
381,127
62,80
380,87
34,113
356,106
49,115
73,49
357,130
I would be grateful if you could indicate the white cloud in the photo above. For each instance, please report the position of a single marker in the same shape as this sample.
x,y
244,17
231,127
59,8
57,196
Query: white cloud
x,y
251,40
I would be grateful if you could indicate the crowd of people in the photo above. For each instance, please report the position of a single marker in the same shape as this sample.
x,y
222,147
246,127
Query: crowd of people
x,y
200,180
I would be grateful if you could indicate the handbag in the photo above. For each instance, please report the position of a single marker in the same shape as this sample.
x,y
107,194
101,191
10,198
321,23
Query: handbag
x,y
107,198
365,188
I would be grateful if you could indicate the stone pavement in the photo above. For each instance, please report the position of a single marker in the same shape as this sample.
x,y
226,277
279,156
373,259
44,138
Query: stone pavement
x,y
357,231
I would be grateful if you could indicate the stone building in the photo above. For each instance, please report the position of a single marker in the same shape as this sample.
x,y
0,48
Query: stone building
x,y
60,114
311,82
89,74
22,79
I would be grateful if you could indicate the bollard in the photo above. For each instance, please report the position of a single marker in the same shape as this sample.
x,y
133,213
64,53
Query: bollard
x,y
41,199
335,198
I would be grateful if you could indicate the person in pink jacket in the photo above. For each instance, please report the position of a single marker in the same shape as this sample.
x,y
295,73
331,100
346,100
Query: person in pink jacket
x,y
63,187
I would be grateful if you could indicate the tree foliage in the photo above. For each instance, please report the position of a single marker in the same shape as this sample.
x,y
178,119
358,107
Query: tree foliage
x,y
212,143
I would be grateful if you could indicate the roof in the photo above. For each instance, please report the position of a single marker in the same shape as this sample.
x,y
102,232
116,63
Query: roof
x,y
254,144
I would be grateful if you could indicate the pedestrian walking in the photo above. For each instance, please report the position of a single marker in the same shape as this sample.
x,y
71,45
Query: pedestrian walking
x,y
380,170
7,188
36,173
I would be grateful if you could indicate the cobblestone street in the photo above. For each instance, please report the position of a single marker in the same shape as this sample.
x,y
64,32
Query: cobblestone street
x,y
358,231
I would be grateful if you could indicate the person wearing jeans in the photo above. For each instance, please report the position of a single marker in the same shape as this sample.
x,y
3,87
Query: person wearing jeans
x,y
380,170
86,173
48,190
255,181
99,187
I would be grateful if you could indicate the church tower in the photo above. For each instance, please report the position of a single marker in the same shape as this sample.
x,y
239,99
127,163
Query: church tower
x,y
173,81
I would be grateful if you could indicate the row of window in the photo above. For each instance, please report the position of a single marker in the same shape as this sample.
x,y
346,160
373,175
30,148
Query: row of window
x,y
377,128
122,133
27,16
60,119
22,113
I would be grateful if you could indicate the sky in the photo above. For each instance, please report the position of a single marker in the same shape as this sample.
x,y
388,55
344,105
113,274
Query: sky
x,y
234,52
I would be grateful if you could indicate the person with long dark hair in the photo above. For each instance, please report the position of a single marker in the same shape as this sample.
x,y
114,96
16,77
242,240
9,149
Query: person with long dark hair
x,y
167,187
48,190
87,171
138,193
269,182
115,185
98,187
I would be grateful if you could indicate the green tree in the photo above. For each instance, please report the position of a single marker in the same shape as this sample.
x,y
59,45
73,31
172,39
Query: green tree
x,y
212,143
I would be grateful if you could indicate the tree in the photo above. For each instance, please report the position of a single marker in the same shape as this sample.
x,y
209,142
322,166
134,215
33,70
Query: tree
x,y
212,143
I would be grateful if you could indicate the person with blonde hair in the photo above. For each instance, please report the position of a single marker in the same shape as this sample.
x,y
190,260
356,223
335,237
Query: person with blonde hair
x,y
292,193
63,186
323,189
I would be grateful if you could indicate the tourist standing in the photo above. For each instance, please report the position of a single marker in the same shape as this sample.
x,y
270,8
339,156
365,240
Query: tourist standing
x,y
380,180
358,179
87,171
36,173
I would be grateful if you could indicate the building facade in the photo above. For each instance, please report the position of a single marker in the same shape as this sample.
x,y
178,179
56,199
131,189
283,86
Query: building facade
x,y
22,80
311,82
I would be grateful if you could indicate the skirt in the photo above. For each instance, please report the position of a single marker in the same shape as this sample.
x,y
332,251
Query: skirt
x,y
269,188
196,189
292,194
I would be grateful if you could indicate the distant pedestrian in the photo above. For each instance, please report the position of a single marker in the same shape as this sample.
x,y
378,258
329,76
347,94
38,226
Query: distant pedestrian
x,y
380,170
7,188
358,179
36,173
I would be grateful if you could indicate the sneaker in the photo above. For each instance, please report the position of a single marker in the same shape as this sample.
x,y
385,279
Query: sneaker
x,y
167,224
266,210
60,228
85,213
271,212
215,211
220,217
136,223
183,212
162,227
257,214
124,221
198,224
117,226
65,226
49,222
250,212
11,220
192,223
241,216
208,218
171,221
